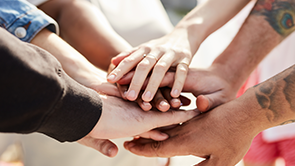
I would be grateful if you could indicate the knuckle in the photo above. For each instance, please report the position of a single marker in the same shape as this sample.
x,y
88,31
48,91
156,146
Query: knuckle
x,y
161,66
127,60
144,65
182,69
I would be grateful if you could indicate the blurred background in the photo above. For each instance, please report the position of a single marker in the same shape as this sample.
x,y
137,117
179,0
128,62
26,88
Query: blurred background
x,y
149,22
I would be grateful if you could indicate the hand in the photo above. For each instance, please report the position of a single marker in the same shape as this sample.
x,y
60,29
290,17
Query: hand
x,y
210,86
124,119
221,136
162,99
158,56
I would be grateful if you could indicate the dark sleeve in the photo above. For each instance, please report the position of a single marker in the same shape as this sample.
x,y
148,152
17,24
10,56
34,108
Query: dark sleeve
x,y
36,95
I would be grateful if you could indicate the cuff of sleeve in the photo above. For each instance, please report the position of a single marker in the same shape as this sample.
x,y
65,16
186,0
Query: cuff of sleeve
x,y
74,115
27,26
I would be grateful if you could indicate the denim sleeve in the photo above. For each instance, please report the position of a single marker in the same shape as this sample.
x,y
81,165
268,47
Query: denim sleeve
x,y
24,20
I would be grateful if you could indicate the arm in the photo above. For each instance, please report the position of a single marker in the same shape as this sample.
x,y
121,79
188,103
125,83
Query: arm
x,y
224,135
85,28
37,96
173,50
260,33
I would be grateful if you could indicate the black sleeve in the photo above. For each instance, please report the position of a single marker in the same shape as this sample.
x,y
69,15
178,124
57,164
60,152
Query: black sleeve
x,y
36,95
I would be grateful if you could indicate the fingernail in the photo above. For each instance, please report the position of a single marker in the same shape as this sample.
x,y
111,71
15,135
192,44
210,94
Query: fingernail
x,y
175,102
146,103
125,93
147,95
164,135
111,77
163,104
175,93
131,94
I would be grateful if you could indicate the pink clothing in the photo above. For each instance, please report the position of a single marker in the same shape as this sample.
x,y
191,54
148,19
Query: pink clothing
x,y
262,152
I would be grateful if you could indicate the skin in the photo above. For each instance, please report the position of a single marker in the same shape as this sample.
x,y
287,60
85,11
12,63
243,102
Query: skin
x,y
85,28
81,70
81,25
173,50
211,135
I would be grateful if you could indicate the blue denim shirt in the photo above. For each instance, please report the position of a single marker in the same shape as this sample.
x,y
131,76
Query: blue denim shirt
x,y
24,20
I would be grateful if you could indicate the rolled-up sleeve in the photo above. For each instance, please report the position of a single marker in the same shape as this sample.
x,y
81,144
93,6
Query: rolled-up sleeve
x,y
24,20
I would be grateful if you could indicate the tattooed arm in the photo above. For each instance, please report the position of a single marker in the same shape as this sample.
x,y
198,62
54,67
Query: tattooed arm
x,y
224,134
270,22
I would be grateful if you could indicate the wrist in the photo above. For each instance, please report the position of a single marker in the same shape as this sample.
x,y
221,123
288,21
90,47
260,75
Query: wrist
x,y
257,118
228,74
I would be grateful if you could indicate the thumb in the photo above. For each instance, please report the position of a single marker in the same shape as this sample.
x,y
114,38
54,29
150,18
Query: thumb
x,y
171,117
149,148
104,146
210,101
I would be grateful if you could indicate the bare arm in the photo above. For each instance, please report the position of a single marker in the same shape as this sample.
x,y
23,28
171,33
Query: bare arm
x,y
84,27
268,24
173,50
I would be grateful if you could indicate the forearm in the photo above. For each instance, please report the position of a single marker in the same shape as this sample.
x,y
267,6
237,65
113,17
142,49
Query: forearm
x,y
256,38
206,18
74,64
271,103
85,28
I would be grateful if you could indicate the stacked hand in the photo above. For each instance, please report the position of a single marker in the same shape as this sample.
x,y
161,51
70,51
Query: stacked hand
x,y
222,136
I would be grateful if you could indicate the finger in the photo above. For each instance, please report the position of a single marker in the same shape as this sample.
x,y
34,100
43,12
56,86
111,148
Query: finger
x,y
155,135
158,74
106,88
122,89
104,146
168,79
174,102
111,68
180,76
126,65
117,59
172,117
210,101
165,148
160,102
126,79
146,106
141,72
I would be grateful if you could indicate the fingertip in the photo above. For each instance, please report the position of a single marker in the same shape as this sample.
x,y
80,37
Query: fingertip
x,y
111,78
113,151
146,106
129,145
175,93
163,106
161,137
131,95
147,96
203,103
175,103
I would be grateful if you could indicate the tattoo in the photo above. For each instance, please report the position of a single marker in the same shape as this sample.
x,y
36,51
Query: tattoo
x,y
288,122
280,14
277,93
